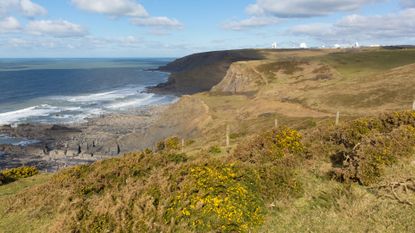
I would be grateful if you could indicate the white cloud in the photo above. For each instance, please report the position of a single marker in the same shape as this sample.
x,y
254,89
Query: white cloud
x,y
31,9
6,6
408,3
164,22
304,8
112,7
9,24
57,28
17,42
250,23
399,26
315,30
26,7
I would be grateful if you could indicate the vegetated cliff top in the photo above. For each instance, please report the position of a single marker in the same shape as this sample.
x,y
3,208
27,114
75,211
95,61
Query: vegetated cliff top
x,y
201,71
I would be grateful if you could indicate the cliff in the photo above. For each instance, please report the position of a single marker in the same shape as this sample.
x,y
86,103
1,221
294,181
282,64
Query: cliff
x,y
200,72
241,77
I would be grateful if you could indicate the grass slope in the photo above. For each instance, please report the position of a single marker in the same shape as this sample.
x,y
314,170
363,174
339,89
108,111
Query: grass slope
x,y
356,177
277,181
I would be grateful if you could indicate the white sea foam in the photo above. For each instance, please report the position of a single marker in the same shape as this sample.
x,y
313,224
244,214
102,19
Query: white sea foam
x,y
137,102
35,111
77,109
103,96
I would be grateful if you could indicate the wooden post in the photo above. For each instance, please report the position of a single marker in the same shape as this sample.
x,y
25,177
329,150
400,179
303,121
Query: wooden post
x,y
337,118
227,135
276,123
182,145
413,106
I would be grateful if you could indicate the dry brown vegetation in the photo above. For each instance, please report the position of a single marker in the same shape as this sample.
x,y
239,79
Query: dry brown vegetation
x,y
171,191
311,177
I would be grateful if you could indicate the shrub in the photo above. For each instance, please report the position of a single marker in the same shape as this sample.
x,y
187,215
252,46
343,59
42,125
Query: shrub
x,y
279,181
396,119
352,133
215,150
172,143
18,173
177,158
217,198
270,146
96,223
369,146
2,179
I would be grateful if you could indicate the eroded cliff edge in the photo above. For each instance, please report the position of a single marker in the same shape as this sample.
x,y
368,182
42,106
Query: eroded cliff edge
x,y
200,72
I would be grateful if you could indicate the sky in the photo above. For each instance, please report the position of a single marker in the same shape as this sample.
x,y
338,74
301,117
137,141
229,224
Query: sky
x,y
167,28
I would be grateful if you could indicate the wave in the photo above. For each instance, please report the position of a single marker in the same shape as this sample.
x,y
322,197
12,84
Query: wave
x,y
77,109
104,96
130,102
21,114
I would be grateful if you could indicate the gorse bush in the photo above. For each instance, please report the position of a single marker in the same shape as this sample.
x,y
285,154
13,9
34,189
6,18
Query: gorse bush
x,y
158,192
275,157
279,181
217,197
2,179
177,158
172,143
10,175
270,146
169,191
215,150
369,146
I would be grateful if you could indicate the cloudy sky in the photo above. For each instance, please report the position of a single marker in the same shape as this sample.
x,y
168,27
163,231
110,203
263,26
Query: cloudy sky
x,y
167,28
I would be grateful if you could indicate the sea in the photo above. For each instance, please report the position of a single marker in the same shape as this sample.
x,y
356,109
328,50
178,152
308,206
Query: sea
x,y
65,91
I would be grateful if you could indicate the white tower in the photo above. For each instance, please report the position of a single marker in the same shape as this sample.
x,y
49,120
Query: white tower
x,y
357,45
274,45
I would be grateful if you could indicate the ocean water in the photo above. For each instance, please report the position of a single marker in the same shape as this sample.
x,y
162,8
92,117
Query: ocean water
x,y
62,91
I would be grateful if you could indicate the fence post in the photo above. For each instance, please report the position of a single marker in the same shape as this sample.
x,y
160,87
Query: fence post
x,y
276,123
227,135
413,106
182,145
337,118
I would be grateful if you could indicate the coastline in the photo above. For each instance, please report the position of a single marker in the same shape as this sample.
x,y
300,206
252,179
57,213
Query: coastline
x,y
60,146
96,138
93,138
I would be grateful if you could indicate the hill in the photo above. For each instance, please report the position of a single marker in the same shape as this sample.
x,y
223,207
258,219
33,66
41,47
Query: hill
x,y
200,72
288,167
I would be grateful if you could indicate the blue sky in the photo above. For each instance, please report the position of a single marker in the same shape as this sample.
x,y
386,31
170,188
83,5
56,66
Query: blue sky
x,y
166,28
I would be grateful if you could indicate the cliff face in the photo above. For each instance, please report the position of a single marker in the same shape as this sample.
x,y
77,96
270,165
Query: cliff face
x,y
200,72
241,77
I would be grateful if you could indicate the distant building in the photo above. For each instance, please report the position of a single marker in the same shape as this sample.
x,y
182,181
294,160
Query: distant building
x,y
337,46
356,45
274,45
303,45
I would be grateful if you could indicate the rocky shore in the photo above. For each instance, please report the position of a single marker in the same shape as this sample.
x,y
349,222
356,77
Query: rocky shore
x,y
59,146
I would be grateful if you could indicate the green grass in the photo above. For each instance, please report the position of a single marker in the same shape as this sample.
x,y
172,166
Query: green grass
x,y
268,184
363,63
21,221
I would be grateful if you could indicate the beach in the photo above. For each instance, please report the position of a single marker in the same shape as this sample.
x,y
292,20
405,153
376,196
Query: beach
x,y
57,146
62,112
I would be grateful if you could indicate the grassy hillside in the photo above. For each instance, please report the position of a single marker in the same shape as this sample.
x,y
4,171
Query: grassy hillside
x,y
306,175
369,62
325,178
